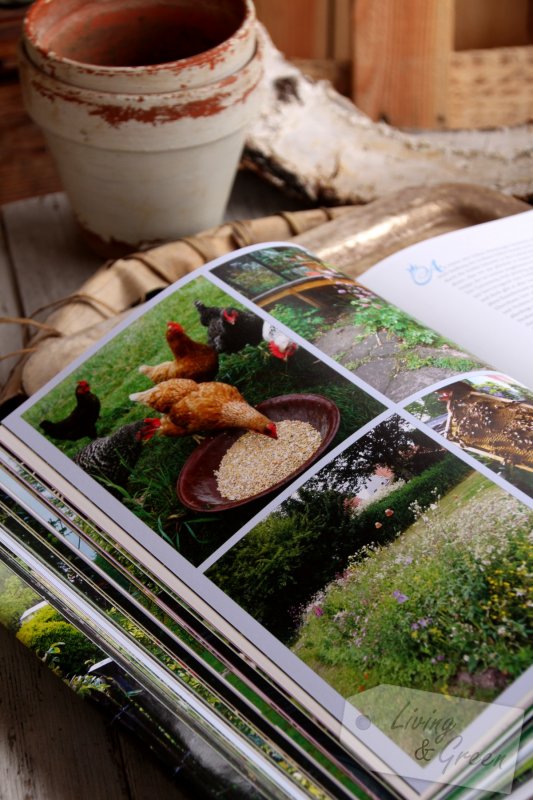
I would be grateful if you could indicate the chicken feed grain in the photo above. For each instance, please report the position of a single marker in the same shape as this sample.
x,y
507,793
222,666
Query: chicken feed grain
x,y
254,462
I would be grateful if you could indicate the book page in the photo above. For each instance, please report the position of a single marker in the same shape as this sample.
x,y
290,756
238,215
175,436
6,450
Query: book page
x,y
394,494
474,285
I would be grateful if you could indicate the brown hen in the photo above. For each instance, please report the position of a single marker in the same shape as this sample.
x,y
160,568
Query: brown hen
x,y
201,407
192,359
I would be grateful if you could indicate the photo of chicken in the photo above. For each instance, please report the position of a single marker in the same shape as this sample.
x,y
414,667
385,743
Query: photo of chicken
x,y
279,345
191,408
81,421
113,457
229,330
216,393
192,359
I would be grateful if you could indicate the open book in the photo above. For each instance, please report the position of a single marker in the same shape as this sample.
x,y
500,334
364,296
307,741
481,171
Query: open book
x,y
296,508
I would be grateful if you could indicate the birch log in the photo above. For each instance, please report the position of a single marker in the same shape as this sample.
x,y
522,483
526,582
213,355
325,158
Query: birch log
x,y
314,143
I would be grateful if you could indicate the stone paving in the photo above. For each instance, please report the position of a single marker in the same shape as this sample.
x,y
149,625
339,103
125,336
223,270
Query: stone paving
x,y
377,359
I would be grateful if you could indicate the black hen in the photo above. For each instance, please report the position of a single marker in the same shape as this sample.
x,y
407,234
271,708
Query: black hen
x,y
113,457
229,329
81,421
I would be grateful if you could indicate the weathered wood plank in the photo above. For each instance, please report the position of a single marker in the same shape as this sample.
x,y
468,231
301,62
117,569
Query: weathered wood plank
x,y
140,783
299,29
402,52
25,163
490,87
53,746
10,30
490,23
341,13
51,258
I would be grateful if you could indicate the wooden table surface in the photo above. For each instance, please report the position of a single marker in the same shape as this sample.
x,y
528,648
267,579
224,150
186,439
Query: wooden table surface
x,y
53,744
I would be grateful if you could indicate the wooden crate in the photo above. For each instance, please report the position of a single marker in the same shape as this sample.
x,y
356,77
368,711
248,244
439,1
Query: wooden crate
x,y
444,63
316,35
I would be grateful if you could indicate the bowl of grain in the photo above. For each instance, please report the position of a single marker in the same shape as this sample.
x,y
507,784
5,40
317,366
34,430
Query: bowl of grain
x,y
237,467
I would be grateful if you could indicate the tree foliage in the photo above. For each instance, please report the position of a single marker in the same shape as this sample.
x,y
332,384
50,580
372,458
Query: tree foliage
x,y
394,444
288,556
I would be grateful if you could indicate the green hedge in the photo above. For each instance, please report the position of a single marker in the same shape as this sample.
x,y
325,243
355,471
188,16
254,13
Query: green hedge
x,y
46,628
422,490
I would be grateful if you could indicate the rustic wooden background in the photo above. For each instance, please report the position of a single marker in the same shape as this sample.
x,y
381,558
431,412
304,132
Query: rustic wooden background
x,y
423,64
430,64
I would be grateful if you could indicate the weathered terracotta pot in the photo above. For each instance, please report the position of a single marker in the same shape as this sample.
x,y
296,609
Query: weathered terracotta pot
x,y
144,106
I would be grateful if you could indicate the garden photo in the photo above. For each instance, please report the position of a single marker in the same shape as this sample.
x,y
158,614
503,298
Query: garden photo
x,y
489,416
154,412
376,341
395,564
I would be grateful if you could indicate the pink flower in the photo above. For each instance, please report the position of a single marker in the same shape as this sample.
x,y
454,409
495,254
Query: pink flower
x,y
318,611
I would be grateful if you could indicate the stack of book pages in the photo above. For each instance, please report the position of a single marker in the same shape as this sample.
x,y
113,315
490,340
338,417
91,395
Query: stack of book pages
x,y
287,516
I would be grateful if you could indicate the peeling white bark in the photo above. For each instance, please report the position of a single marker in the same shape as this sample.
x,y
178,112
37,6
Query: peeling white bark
x,y
313,142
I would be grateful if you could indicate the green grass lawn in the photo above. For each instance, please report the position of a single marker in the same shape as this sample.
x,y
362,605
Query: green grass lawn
x,y
113,371
443,608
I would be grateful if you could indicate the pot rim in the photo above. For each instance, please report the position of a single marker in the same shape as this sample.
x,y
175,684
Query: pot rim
x,y
181,94
216,62
102,118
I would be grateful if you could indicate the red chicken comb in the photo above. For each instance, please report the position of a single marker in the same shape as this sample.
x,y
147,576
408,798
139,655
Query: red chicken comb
x,y
230,315
271,430
83,387
282,354
174,327
151,424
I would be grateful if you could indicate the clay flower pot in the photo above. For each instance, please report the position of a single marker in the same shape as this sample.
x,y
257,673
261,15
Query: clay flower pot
x,y
144,106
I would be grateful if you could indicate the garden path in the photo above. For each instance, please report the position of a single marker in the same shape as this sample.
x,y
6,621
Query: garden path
x,y
377,359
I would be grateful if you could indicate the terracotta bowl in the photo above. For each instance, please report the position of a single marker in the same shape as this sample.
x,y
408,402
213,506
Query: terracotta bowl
x,y
197,485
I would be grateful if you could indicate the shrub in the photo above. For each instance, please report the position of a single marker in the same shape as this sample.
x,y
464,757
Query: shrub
x,y
407,501
15,598
46,628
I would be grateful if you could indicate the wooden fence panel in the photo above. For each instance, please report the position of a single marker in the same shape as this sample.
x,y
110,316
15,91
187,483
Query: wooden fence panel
x,y
299,28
